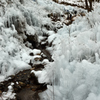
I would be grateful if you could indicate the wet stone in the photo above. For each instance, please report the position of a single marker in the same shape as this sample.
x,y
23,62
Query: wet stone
x,y
33,39
37,67
21,84
31,54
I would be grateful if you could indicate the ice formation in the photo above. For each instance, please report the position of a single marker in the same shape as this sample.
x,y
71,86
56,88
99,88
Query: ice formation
x,y
74,73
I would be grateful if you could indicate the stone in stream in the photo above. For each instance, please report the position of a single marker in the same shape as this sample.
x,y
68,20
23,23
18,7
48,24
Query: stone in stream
x,y
37,67
33,39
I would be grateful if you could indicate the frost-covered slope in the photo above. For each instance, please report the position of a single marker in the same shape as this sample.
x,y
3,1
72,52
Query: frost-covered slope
x,y
18,20
74,73
75,70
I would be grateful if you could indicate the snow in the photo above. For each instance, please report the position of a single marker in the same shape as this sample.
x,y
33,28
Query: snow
x,y
45,61
51,38
36,52
41,75
75,70
74,73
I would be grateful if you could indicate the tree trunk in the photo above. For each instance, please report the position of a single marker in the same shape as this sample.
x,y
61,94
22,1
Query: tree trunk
x,y
86,2
90,2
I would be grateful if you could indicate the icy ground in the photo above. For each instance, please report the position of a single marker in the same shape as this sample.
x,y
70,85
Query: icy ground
x,y
75,72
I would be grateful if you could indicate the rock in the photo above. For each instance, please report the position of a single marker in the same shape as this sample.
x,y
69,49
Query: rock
x,y
33,88
0,92
33,39
21,84
37,67
31,54
54,16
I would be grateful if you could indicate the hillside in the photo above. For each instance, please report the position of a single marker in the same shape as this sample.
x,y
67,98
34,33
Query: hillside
x,y
49,50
